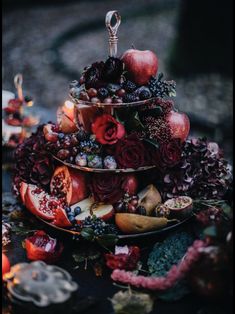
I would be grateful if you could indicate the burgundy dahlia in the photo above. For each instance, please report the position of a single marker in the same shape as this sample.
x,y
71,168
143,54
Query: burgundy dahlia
x,y
168,155
33,163
203,173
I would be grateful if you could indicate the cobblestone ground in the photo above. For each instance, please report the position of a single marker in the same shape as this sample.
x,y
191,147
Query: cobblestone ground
x,y
30,33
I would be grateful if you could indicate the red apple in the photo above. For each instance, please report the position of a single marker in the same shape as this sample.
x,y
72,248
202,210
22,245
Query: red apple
x,y
103,211
179,125
141,65
131,184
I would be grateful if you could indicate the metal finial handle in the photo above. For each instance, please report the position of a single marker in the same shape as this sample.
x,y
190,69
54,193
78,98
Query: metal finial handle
x,y
18,81
113,39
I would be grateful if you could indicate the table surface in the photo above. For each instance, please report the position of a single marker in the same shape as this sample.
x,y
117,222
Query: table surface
x,y
102,288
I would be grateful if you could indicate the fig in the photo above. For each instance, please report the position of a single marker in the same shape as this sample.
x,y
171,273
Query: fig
x,y
180,207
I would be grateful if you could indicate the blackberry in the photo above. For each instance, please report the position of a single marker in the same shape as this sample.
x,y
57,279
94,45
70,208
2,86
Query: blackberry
x,y
161,88
127,98
113,88
89,147
103,93
145,93
81,135
129,86
113,69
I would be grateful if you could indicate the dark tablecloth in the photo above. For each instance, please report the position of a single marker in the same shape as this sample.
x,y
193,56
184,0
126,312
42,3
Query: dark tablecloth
x,y
102,288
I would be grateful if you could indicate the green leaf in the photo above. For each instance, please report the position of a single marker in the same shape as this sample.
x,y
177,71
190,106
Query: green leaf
x,y
118,117
210,231
134,122
87,234
172,93
154,112
107,240
152,142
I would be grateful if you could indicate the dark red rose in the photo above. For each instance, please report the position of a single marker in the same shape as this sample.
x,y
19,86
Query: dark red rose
x,y
107,129
130,152
127,259
111,188
168,154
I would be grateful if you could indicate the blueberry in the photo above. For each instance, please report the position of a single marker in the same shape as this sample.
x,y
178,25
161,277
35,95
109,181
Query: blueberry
x,y
68,210
77,210
61,136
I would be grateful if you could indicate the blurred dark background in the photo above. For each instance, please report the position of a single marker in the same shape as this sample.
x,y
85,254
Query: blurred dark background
x,y
50,42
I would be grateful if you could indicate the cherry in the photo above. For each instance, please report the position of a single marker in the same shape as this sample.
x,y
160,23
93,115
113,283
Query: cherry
x,y
132,209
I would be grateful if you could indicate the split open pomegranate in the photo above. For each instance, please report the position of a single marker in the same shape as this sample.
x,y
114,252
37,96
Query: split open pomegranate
x,y
41,203
69,183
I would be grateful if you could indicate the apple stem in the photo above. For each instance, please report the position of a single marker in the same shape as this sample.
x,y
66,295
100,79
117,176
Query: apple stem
x,y
133,46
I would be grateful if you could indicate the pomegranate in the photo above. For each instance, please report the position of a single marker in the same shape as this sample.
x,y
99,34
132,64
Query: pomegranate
x,y
141,65
40,203
40,246
61,219
180,207
69,183
179,125
23,189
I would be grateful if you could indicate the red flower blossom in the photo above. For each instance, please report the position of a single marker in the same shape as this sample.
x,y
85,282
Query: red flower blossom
x,y
107,129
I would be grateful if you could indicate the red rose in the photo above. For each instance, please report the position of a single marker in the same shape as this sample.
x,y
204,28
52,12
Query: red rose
x,y
111,188
130,152
107,129
169,154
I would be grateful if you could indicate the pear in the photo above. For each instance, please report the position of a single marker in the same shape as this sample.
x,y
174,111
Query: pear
x,y
133,223
149,198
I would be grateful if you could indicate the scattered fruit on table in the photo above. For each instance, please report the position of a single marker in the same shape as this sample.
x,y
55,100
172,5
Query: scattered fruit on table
x,y
125,257
149,198
134,223
140,65
69,183
180,207
40,246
